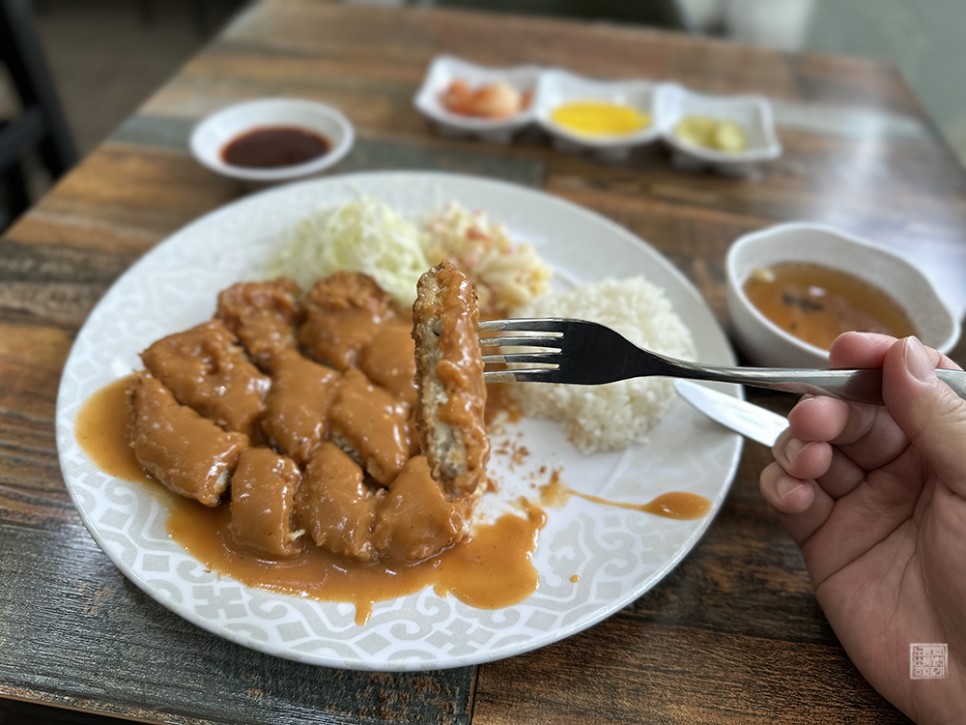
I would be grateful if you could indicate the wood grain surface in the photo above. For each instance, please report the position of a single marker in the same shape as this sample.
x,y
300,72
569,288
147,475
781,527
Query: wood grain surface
x,y
732,635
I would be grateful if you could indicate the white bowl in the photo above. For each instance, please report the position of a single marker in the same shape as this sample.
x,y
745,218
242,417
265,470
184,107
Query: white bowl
x,y
765,343
444,69
556,87
215,132
753,113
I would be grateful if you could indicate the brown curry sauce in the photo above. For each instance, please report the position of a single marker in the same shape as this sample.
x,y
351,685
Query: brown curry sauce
x,y
490,571
816,303
490,568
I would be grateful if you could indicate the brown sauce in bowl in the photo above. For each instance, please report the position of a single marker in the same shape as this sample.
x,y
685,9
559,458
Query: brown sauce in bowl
x,y
816,303
273,147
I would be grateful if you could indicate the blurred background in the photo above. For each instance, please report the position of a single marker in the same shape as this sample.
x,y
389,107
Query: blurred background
x,y
105,57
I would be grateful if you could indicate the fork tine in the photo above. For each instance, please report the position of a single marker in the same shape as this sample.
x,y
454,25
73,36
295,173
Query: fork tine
x,y
524,357
562,350
524,375
539,342
535,332
522,341
522,324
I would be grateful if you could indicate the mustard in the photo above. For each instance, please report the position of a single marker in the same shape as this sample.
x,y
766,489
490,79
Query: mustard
x,y
600,118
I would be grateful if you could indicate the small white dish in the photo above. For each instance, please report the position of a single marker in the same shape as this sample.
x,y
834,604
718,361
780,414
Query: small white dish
x,y
445,69
765,343
557,87
752,113
215,132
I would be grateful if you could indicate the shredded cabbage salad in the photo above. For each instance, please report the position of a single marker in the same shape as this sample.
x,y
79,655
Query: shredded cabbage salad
x,y
369,236
365,235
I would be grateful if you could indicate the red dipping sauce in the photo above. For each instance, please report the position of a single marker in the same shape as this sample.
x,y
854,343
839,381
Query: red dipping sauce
x,y
272,147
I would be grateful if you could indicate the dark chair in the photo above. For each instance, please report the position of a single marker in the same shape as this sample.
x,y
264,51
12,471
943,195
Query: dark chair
x,y
40,126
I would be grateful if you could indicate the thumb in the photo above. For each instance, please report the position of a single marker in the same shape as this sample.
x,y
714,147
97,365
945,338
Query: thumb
x,y
927,410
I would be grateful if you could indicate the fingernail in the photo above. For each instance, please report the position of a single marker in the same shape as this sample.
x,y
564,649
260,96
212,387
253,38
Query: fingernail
x,y
793,448
918,361
785,486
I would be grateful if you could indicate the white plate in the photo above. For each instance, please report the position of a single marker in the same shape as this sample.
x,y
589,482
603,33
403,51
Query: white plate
x,y
753,113
444,69
559,86
618,554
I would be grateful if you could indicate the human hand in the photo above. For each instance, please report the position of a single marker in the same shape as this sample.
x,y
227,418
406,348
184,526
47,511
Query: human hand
x,y
876,499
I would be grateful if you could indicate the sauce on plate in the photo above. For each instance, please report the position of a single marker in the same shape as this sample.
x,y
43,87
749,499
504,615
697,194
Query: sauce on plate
x,y
682,505
272,147
490,571
817,303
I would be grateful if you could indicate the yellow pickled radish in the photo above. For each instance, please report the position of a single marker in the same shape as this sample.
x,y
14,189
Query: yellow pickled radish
x,y
712,133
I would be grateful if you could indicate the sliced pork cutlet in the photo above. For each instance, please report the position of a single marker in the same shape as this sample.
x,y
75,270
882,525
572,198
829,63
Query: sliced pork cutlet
x,y
206,368
389,360
297,407
371,425
343,312
263,489
188,453
263,315
451,403
334,505
416,519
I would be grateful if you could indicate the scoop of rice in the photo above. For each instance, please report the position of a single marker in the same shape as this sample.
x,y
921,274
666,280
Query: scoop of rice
x,y
617,415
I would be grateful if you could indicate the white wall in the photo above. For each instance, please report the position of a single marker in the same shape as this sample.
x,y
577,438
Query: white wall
x,y
925,39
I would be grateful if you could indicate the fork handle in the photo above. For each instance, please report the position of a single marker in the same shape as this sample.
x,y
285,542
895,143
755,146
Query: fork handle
x,y
861,386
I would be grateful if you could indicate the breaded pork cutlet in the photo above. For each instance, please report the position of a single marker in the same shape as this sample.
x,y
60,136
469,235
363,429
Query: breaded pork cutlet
x,y
297,407
389,361
449,374
264,315
206,368
334,505
263,489
343,313
371,426
416,518
186,452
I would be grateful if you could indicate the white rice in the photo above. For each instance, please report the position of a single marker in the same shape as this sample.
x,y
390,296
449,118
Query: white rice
x,y
617,415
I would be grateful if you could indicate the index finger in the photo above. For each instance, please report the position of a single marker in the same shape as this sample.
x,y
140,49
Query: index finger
x,y
863,437
867,350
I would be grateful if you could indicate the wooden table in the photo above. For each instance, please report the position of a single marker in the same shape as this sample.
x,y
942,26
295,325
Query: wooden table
x,y
733,634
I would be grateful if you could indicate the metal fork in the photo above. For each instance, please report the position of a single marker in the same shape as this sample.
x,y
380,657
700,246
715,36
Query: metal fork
x,y
587,353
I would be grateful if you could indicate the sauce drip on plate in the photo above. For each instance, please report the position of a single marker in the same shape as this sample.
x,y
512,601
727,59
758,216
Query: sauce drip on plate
x,y
672,505
273,147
